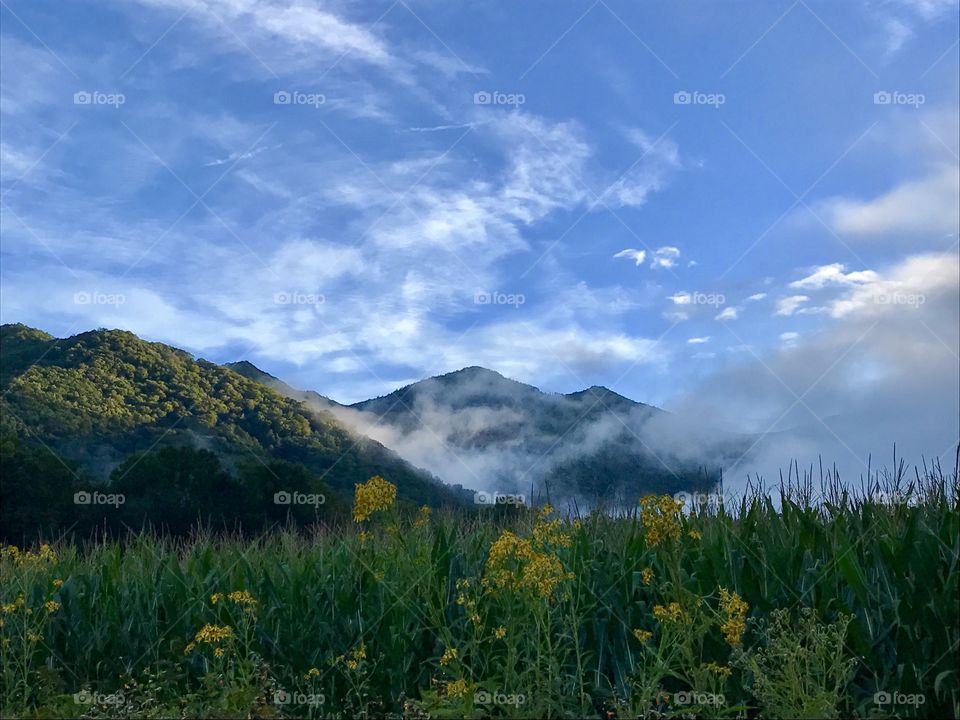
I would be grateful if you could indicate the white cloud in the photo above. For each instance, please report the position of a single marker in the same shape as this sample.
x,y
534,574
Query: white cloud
x,y
756,297
925,207
789,336
833,274
665,257
698,340
789,305
637,255
729,313
681,298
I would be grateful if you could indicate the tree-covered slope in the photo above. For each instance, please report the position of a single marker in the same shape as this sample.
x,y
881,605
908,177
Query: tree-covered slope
x,y
98,396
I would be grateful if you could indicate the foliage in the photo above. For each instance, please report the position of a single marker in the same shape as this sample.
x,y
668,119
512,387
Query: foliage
x,y
759,609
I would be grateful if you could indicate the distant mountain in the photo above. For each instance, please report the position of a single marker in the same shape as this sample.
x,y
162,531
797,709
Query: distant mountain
x,y
97,397
252,372
492,432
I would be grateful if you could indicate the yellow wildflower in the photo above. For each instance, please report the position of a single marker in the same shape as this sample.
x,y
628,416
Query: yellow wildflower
x,y
51,606
215,598
642,635
735,611
212,634
372,496
695,534
242,597
218,652
312,673
670,613
449,655
659,518
423,518
500,633
457,688
32,637
189,648
58,584
646,575
721,670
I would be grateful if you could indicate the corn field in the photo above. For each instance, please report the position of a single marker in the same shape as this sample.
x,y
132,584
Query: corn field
x,y
844,605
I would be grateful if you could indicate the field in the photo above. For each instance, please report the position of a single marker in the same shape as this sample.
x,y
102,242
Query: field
x,y
843,607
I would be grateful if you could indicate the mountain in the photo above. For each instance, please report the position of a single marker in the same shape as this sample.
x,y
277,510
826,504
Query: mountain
x,y
99,397
311,397
480,429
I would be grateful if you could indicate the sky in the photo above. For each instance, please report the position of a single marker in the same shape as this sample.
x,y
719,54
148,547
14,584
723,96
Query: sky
x,y
745,212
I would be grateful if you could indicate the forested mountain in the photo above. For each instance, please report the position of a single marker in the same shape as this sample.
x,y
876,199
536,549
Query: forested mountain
x,y
97,398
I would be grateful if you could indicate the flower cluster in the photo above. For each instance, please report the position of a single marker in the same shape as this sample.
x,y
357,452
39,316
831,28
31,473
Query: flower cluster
x,y
719,670
642,635
646,575
659,516
671,613
374,495
735,611
45,554
449,655
457,688
528,564
353,658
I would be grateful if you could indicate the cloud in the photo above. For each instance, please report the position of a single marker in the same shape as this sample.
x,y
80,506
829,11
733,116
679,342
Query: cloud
x,y
921,207
729,313
788,305
665,257
638,255
877,374
301,27
833,275
698,340
756,297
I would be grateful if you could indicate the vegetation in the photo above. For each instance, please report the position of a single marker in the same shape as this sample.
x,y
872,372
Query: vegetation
x,y
845,607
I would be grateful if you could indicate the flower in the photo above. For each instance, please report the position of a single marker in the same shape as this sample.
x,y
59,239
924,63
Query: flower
x,y
58,584
500,633
457,688
721,670
522,564
646,575
670,613
372,496
51,606
218,652
449,655
312,673
642,635
695,534
242,597
659,518
189,648
735,611
215,598
212,634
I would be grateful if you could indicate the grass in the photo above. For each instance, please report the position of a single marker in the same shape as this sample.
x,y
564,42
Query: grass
x,y
839,606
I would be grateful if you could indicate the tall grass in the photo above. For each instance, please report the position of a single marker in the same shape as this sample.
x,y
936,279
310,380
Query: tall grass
x,y
845,598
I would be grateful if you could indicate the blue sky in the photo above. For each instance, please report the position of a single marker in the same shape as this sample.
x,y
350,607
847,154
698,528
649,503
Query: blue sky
x,y
719,207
